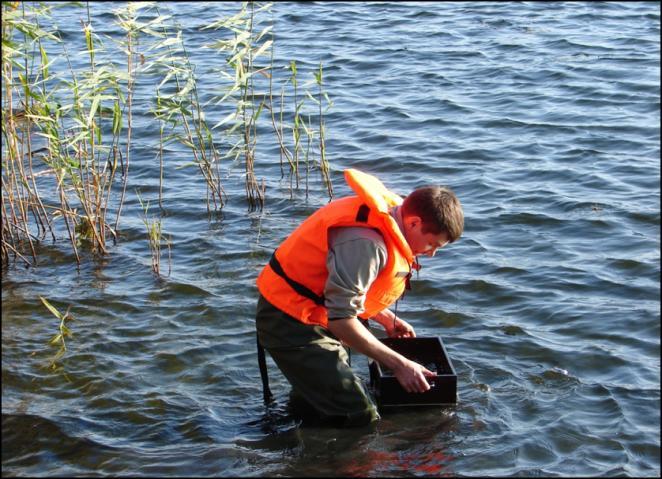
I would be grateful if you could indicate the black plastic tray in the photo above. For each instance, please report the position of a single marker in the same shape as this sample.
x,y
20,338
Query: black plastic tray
x,y
431,353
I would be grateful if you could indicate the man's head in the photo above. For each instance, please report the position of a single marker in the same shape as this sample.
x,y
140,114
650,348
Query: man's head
x,y
432,217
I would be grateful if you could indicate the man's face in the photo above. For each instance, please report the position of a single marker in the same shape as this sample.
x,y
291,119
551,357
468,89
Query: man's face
x,y
422,243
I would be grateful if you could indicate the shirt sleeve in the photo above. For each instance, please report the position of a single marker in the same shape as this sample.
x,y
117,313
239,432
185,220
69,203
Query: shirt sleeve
x,y
356,256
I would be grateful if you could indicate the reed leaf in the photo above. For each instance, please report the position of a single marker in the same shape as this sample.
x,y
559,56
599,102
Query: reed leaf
x,y
51,308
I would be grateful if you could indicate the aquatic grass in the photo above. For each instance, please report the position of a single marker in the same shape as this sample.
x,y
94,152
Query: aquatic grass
x,y
20,199
155,237
296,128
63,332
87,150
43,114
242,51
183,112
310,135
67,131
80,117
323,162
293,152
127,21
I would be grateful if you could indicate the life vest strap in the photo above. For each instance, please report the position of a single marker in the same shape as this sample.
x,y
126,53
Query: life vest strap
x,y
362,214
296,286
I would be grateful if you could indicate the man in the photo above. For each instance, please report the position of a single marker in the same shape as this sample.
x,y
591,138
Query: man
x,y
350,259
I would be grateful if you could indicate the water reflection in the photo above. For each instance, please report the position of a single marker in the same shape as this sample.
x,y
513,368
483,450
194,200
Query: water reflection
x,y
408,441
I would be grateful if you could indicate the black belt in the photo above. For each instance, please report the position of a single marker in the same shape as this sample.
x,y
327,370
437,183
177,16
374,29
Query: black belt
x,y
296,286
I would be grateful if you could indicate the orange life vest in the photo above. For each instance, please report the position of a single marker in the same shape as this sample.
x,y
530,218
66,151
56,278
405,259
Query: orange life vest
x,y
294,279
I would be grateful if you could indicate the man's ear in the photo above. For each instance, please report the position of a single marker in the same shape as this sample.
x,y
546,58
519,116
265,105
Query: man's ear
x,y
412,221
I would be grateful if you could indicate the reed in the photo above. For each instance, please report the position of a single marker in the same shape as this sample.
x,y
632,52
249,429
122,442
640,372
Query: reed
x,y
67,132
242,51
155,238
127,20
323,162
292,152
77,152
296,129
66,113
300,111
310,135
183,112
80,115
24,217
63,332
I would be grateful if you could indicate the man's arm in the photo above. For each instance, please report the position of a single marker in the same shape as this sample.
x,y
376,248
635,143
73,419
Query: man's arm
x,y
409,374
356,256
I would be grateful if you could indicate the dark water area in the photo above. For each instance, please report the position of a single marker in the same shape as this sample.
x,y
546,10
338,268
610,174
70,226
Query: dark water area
x,y
544,118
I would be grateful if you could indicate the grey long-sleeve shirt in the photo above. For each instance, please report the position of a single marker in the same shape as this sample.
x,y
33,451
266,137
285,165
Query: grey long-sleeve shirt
x,y
356,256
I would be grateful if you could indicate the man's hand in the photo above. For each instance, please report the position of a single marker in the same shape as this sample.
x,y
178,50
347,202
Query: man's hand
x,y
394,326
399,329
411,376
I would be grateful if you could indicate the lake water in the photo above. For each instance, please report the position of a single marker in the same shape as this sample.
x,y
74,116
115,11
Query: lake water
x,y
545,120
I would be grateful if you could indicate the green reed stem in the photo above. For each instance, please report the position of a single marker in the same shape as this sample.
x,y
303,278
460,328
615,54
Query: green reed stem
x,y
324,164
154,236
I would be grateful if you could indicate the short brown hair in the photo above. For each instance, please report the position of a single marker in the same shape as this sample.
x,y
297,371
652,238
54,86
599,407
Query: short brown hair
x,y
439,209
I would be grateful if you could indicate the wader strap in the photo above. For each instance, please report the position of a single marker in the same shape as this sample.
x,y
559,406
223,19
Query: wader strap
x,y
262,362
296,286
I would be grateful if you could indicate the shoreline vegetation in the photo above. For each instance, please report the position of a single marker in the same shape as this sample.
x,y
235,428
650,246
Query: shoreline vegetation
x,y
67,131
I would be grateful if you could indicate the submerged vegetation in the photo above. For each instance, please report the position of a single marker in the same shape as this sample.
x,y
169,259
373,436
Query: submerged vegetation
x,y
155,237
63,332
67,131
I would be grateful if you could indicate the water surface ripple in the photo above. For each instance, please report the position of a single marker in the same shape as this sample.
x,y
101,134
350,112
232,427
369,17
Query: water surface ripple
x,y
542,116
